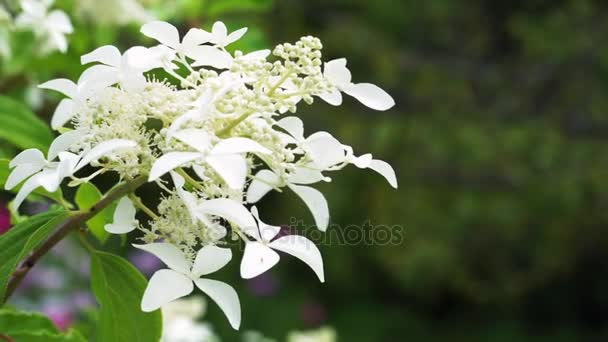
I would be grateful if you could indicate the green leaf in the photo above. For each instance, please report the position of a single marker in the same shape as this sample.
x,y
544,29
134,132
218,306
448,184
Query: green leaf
x,y
22,239
87,195
33,327
21,127
45,336
218,8
119,287
12,321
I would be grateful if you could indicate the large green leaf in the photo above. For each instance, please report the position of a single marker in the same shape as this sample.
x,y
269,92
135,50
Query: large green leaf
x,y
21,127
119,287
22,239
33,327
87,195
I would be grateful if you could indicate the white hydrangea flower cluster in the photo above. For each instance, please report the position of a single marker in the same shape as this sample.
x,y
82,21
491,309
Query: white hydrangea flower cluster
x,y
216,143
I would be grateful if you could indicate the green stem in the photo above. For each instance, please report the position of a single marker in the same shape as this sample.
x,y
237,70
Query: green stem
x,y
189,179
224,131
138,203
76,220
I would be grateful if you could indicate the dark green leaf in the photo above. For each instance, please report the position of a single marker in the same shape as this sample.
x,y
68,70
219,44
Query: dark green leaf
x,y
87,195
119,287
12,321
33,327
22,239
21,127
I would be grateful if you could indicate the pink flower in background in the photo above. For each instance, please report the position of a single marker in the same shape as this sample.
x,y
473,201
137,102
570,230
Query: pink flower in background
x,y
264,285
5,218
59,313
313,313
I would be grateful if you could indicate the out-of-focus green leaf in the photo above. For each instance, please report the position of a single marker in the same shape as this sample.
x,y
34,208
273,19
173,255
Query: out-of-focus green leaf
x,y
22,239
33,327
21,127
218,8
119,287
87,195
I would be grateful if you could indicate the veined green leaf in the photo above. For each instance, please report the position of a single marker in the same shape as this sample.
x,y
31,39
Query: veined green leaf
x,y
87,195
21,127
119,287
33,327
22,239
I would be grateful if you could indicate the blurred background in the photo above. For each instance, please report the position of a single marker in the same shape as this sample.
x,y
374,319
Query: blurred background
x,y
499,135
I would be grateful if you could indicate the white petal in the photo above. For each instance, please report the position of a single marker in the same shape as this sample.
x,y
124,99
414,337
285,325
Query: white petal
x,y
165,286
257,55
97,77
225,297
20,173
27,188
106,54
163,32
59,21
324,149
198,139
29,156
337,73
232,169
210,259
303,175
141,58
238,145
236,35
170,161
62,143
363,161
206,55
293,125
104,148
232,211
219,30
263,182
316,203
257,259
124,218
63,113
267,232
371,96
385,170
169,254
303,249
62,85
334,98
195,37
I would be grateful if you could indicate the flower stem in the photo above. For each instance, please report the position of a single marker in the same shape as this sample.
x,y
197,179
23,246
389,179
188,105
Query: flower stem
x,y
73,222
189,179
138,203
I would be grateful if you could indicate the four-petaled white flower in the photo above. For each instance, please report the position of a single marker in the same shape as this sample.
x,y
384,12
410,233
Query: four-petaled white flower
x,y
259,255
51,26
47,173
226,157
190,46
219,35
127,69
338,75
175,282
